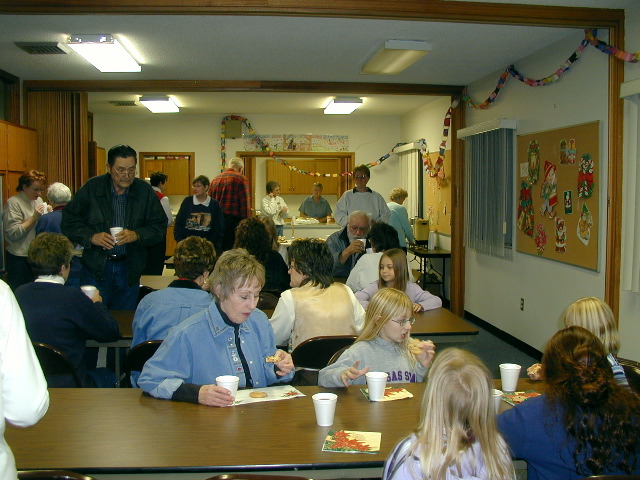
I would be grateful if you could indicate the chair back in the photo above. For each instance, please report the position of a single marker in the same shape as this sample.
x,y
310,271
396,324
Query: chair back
x,y
137,357
334,358
52,475
316,352
632,372
144,291
267,301
255,476
612,477
54,362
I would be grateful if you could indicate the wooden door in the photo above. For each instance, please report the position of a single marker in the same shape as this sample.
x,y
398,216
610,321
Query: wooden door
x,y
179,181
279,173
328,165
301,183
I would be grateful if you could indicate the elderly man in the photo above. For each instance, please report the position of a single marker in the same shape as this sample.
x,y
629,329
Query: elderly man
x,y
232,191
116,199
349,244
362,198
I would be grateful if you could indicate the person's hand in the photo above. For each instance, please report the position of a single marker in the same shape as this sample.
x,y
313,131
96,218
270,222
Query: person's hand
x,y
96,298
126,236
104,240
285,209
351,373
285,365
356,247
49,208
214,396
427,354
39,210
417,307
535,371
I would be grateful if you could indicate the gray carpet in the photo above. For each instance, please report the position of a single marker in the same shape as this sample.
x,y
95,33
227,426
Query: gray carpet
x,y
493,351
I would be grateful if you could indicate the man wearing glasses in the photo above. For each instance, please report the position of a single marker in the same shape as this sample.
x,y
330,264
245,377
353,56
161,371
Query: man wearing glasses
x,y
349,244
114,262
362,198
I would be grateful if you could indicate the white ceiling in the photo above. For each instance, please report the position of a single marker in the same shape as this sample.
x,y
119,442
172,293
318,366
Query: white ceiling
x,y
274,48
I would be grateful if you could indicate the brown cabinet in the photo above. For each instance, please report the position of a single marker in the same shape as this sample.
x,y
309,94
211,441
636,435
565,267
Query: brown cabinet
x,y
293,182
171,242
179,166
18,152
22,148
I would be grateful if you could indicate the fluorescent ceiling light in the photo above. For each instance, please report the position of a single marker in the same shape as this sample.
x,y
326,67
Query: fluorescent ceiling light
x,y
395,56
160,104
103,52
342,105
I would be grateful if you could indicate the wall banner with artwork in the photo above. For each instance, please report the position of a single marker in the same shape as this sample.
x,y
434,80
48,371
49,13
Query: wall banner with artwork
x,y
558,194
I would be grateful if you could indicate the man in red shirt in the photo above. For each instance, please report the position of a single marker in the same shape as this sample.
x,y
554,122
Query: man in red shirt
x,y
232,191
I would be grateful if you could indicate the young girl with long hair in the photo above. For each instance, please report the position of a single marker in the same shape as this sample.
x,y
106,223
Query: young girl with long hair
x,y
584,424
457,437
394,273
596,316
382,346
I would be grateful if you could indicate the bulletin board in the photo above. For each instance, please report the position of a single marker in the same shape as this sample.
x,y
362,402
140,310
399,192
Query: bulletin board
x,y
437,200
558,193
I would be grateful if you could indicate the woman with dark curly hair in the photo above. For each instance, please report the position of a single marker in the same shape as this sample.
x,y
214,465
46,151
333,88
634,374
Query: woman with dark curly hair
x,y
315,305
585,424
252,235
21,213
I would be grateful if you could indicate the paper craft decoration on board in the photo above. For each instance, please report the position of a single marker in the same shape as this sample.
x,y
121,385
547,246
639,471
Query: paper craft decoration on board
x,y
561,196
568,152
568,202
533,156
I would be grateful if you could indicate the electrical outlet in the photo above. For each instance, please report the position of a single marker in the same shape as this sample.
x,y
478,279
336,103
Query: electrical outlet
x,y
522,304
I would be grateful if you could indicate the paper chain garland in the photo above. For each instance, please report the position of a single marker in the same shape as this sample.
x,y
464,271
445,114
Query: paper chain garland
x,y
437,170
265,147
590,38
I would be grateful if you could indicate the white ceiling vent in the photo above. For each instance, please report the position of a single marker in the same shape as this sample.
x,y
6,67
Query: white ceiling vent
x,y
123,103
43,48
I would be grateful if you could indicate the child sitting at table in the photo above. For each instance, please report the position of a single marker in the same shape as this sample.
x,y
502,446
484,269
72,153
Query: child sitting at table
x,y
457,436
382,346
394,273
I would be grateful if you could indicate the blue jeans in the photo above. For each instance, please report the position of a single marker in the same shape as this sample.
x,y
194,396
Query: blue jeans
x,y
116,294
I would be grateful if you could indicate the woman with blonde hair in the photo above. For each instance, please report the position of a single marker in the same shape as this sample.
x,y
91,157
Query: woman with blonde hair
x,y
383,346
596,316
457,437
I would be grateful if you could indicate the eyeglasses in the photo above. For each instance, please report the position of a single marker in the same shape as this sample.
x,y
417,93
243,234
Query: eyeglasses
x,y
125,171
361,176
402,322
357,228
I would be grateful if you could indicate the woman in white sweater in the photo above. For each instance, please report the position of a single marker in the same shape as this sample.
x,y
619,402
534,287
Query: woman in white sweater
x,y
274,206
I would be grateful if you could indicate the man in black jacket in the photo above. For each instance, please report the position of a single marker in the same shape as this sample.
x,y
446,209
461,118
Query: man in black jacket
x,y
114,262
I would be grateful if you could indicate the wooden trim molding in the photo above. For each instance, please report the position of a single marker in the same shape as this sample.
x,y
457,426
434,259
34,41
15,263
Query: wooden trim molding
x,y
432,10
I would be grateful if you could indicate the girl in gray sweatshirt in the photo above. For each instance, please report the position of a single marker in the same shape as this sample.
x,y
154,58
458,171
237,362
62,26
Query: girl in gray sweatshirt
x,y
383,346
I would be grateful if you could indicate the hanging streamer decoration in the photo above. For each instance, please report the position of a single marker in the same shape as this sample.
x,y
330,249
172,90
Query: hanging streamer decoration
x,y
264,146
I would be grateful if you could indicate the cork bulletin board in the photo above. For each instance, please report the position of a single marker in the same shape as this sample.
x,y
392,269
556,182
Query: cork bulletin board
x,y
557,192
437,201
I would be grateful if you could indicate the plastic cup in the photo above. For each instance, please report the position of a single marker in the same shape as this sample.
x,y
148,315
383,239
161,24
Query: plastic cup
x,y
509,374
364,242
376,383
497,398
45,209
325,407
115,231
230,382
89,290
